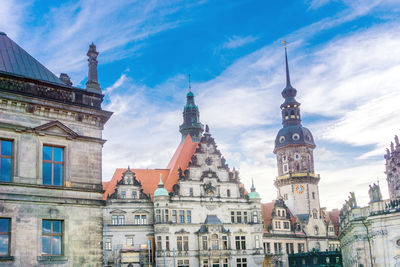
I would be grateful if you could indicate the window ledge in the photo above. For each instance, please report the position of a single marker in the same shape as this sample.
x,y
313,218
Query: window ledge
x,y
52,258
6,258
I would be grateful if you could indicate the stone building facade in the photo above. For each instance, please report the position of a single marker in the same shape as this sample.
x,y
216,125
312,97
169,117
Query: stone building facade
x,y
198,212
370,236
51,143
295,221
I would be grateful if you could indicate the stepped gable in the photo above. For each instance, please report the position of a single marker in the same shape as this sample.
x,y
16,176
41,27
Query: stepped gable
x,y
333,216
16,61
149,178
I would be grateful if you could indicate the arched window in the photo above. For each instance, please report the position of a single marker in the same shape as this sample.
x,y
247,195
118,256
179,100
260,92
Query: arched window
x,y
279,213
292,113
205,243
214,241
283,213
315,214
286,114
316,231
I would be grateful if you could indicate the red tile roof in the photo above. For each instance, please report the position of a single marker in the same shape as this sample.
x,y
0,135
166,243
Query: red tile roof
x,y
266,210
149,178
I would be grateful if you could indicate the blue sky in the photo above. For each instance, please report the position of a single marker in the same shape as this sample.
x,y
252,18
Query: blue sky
x,y
344,59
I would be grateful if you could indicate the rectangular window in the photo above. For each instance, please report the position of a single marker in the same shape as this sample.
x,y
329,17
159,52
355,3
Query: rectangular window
x,y
134,194
255,217
205,263
300,247
166,216
191,191
205,243
5,236
183,263
107,244
186,243
268,247
114,220
181,216
240,242
286,225
129,241
244,216
158,216
278,225
257,241
287,248
239,217
291,248
313,195
241,262
123,194
225,262
51,237
53,162
137,219
144,219
228,193
179,243
224,242
159,243
174,216
232,217
188,216
121,219
167,243
5,160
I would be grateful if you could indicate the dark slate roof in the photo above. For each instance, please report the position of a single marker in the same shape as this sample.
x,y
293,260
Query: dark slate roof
x,y
16,61
305,136
212,219
303,217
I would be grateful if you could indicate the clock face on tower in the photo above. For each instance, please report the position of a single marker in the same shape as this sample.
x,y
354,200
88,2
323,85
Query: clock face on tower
x,y
300,189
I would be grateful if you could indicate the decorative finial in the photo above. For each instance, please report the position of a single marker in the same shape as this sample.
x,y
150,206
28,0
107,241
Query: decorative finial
x,y
161,184
207,129
92,85
129,169
287,66
190,86
252,185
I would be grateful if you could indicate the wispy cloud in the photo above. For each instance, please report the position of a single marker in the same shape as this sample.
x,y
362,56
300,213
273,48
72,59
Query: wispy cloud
x,y
238,41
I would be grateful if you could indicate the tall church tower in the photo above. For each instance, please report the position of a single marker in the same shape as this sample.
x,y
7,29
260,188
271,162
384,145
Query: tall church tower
x,y
294,144
191,119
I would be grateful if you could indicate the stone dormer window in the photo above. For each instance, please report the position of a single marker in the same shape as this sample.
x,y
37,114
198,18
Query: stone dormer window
x,y
286,225
118,219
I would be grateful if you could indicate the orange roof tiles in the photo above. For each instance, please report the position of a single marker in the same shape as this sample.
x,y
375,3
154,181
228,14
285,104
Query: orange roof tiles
x,y
266,209
149,178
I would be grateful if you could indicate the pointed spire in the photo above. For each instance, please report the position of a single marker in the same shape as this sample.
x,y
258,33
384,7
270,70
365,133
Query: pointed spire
x,y
287,70
161,184
190,86
253,189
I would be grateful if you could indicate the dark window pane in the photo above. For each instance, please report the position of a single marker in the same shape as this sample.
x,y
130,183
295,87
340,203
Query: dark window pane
x,y
57,174
58,154
6,148
46,244
57,227
46,226
47,152
46,173
4,245
5,169
56,246
4,225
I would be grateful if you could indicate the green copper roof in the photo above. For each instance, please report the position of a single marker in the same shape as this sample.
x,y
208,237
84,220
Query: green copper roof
x,y
16,61
253,195
190,94
161,191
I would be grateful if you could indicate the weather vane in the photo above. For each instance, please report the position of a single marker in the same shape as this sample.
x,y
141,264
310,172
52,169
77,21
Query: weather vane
x,y
284,42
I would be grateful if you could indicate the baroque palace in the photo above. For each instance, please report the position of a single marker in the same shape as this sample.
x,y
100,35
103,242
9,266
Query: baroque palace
x,y
56,211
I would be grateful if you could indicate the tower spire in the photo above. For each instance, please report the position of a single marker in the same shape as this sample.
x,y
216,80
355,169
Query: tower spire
x,y
190,86
287,70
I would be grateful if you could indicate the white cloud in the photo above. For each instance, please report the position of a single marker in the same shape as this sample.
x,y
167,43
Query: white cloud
x,y
238,41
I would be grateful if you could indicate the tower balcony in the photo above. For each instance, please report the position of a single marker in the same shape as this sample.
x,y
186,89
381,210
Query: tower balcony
x,y
299,177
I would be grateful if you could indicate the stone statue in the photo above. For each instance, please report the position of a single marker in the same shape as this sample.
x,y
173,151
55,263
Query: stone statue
x,y
374,192
352,200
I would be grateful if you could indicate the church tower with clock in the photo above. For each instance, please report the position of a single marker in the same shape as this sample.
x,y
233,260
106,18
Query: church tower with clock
x,y
297,182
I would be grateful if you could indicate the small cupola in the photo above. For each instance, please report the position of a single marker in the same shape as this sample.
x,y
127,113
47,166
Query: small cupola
x,y
161,191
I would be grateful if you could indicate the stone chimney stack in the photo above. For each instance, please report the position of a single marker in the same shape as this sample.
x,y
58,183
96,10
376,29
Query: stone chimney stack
x,y
92,85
